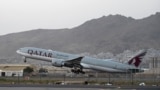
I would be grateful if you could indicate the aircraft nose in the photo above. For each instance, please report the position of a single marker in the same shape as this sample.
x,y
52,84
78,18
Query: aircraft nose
x,y
18,51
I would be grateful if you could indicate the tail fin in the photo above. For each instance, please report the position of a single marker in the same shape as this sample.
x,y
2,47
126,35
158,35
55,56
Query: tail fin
x,y
137,58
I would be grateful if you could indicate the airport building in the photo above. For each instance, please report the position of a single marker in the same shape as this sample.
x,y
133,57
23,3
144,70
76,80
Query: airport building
x,y
12,69
154,66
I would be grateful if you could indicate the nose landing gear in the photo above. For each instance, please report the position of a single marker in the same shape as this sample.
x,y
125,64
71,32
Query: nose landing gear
x,y
24,59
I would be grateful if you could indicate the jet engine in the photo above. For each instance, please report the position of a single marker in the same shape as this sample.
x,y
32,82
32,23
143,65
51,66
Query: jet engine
x,y
57,62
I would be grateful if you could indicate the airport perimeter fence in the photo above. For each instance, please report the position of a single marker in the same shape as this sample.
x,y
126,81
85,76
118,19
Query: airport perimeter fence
x,y
90,78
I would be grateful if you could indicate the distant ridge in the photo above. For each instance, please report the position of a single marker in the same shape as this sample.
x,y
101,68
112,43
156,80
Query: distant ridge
x,y
113,33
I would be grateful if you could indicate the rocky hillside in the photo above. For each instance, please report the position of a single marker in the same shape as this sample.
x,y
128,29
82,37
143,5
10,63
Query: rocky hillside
x,y
113,33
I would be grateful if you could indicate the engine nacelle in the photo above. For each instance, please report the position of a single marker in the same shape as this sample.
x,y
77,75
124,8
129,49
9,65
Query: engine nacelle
x,y
57,62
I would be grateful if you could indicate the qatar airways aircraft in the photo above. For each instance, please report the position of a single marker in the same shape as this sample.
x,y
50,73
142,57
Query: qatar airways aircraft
x,y
77,63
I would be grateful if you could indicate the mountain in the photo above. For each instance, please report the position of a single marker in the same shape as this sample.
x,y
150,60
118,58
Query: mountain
x,y
113,33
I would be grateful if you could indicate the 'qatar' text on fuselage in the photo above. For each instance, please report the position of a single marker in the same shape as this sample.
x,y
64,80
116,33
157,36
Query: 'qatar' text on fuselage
x,y
40,53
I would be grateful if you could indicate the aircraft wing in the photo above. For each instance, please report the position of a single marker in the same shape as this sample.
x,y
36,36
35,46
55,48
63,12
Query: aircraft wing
x,y
74,62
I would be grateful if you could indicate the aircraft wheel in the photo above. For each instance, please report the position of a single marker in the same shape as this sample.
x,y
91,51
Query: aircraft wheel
x,y
25,61
83,72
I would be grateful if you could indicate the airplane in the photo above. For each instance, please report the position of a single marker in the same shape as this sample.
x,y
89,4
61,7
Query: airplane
x,y
77,63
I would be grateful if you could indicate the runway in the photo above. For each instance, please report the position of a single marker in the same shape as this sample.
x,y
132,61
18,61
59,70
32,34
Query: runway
x,y
76,87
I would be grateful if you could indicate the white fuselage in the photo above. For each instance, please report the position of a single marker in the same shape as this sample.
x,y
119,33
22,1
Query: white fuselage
x,y
106,65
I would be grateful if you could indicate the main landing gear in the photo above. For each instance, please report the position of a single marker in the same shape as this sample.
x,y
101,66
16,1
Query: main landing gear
x,y
77,70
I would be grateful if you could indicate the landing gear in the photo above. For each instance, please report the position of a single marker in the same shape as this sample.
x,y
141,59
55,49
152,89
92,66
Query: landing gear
x,y
24,59
77,71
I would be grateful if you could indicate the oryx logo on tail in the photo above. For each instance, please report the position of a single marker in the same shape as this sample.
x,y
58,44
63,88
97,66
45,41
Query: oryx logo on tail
x,y
137,59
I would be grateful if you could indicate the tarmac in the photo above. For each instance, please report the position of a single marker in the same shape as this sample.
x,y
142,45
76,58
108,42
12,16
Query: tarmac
x,y
75,87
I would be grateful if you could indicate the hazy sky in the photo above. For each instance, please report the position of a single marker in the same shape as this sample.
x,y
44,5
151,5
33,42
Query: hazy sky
x,y
22,15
